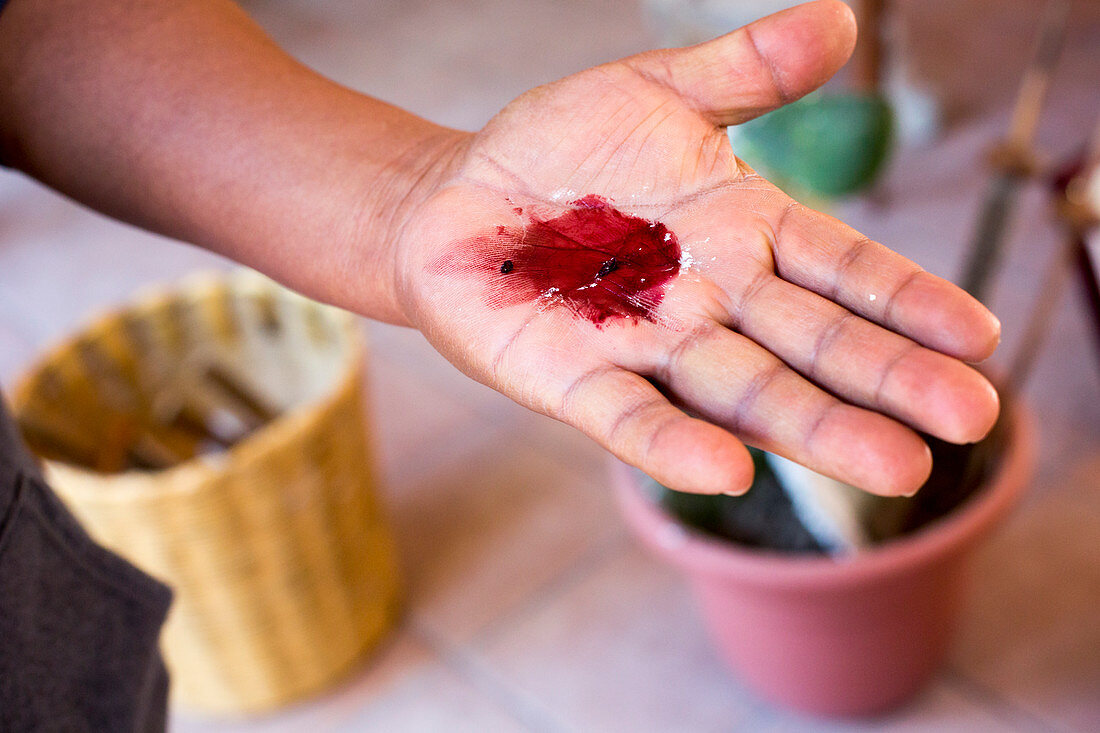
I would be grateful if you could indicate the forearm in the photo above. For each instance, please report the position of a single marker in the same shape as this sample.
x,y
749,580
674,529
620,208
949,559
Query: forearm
x,y
184,118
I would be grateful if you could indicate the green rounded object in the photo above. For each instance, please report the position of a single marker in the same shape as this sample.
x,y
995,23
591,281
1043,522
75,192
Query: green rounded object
x,y
828,145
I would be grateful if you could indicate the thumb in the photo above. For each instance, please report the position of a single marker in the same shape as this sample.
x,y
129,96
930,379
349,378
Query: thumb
x,y
759,67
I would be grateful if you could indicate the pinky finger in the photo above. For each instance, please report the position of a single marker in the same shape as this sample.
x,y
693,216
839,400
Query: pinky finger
x,y
630,417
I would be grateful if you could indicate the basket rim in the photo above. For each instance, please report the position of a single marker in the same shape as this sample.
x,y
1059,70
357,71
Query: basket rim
x,y
128,485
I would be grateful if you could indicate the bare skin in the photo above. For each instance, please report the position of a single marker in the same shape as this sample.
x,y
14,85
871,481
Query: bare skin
x,y
785,329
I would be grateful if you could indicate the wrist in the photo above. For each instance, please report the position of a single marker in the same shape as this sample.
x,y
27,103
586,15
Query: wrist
x,y
389,200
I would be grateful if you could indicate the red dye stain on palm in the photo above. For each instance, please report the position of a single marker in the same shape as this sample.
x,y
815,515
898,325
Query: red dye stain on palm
x,y
594,259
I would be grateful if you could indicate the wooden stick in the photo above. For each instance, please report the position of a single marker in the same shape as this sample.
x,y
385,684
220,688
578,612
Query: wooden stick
x,y
1036,82
241,392
1079,217
869,59
1013,159
1038,325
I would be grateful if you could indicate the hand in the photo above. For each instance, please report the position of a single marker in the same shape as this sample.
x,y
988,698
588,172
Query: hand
x,y
599,254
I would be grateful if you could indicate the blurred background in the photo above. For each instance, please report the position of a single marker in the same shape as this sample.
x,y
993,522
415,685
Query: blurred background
x,y
528,605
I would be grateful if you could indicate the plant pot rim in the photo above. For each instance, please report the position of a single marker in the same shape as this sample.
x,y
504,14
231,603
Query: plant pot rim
x,y
699,552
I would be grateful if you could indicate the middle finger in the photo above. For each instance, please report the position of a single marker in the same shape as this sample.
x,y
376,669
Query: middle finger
x,y
866,364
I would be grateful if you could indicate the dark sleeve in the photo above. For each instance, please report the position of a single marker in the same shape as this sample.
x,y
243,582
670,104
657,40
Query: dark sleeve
x,y
78,625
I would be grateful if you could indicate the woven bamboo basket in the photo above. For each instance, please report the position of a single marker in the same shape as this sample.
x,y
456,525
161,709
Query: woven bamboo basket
x,y
214,435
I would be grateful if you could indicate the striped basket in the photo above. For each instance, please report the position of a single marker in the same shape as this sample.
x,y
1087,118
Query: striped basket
x,y
214,435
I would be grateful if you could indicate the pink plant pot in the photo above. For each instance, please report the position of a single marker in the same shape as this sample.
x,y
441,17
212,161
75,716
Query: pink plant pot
x,y
847,637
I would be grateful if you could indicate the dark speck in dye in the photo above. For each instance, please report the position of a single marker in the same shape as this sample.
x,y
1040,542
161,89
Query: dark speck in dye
x,y
507,267
609,267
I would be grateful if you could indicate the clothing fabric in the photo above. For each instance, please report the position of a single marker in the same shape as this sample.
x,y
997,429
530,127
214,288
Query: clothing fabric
x,y
79,626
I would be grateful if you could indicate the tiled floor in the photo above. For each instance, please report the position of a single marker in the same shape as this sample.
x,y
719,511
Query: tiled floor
x,y
529,607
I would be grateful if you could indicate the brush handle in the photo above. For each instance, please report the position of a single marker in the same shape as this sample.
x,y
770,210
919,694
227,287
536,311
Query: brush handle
x,y
986,246
1033,88
1086,271
868,61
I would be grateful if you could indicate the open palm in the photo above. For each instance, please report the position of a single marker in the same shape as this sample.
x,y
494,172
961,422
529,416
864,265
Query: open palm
x,y
763,321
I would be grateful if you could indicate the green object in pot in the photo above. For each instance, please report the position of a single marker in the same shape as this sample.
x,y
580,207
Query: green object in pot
x,y
826,145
